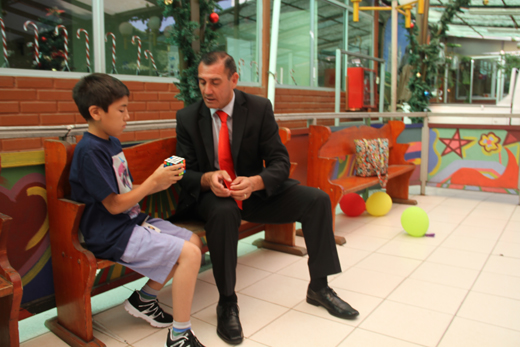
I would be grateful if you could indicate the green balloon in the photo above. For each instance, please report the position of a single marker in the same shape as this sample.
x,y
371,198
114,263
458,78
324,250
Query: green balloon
x,y
415,221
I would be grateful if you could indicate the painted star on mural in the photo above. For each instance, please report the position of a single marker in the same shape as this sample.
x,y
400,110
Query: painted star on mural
x,y
511,137
454,144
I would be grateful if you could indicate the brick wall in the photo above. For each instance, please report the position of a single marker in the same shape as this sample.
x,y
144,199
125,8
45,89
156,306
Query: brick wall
x,y
30,101
304,101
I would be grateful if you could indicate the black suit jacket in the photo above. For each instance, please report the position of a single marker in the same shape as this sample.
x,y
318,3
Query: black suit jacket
x,y
255,140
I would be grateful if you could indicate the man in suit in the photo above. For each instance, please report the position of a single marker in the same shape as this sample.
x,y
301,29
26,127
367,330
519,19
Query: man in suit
x,y
223,187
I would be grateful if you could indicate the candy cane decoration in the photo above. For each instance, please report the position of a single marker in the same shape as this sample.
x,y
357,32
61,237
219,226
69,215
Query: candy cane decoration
x,y
65,43
113,50
136,38
243,63
87,47
36,44
146,53
4,43
294,80
255,63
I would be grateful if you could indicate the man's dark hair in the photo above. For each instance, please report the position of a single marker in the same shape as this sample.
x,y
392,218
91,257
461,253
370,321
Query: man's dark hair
x,y
97,89
211,58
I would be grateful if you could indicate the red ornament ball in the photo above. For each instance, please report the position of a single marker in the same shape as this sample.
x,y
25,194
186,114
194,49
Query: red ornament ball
x,y
412,25
352,204
213,18
44,38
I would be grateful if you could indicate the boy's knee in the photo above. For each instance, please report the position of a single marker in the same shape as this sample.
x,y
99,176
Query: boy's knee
x,y
195,239
191,253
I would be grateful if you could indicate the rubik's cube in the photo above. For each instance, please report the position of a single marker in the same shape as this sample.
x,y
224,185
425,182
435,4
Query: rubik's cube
x,y
173,160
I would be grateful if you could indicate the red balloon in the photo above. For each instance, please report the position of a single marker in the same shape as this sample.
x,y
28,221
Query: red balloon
x,y
352,204
213,18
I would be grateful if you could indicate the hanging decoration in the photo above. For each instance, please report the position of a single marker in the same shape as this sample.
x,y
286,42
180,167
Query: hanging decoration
x,y
87,47
213,18
193,38
50,49
148,53
4,43
114,70
65,44
137,39
36,45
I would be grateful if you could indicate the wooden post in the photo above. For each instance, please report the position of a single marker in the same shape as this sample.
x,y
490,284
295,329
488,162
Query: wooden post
x,y
195,17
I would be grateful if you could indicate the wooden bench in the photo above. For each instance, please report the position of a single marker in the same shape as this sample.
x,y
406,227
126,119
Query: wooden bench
x,y
325,147
10,291
74,267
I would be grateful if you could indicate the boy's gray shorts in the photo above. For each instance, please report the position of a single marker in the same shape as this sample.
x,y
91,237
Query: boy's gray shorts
x,y
154,254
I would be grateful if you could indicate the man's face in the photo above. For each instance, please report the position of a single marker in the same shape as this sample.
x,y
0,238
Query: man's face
x,y
215,85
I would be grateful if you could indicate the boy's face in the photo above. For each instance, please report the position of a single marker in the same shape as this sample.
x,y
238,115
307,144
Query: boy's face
x,y
112,122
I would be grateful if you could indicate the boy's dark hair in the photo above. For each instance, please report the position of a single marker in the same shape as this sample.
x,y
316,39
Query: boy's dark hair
x,y
211,58
97,89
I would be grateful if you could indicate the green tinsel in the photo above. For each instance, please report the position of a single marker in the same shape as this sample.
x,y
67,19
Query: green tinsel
x,y
182,35
425,58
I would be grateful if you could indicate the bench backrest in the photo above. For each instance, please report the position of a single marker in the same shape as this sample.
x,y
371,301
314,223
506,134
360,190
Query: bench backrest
x,y
341,142
143,159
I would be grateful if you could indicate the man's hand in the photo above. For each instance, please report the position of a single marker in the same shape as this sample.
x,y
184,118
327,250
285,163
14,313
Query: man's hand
x,y
242,187
216,181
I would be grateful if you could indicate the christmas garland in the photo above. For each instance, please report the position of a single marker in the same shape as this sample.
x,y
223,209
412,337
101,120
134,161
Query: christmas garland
x,y
183,35
426,59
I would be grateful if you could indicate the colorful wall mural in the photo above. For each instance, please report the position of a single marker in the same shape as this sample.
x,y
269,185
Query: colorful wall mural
x,y
474,158
24,198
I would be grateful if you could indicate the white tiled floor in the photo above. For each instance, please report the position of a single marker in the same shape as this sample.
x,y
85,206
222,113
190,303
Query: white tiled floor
x,y
459,288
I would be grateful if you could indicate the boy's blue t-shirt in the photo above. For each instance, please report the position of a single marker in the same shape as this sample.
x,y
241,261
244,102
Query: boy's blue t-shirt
x,y
98,169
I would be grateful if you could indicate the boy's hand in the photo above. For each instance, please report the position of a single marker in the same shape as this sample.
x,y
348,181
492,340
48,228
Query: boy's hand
x,y
164,177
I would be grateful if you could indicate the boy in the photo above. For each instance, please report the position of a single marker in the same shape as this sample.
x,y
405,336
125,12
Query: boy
x,y
112,224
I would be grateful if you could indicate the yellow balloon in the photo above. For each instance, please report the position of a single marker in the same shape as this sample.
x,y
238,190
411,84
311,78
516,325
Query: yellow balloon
x,y
379,204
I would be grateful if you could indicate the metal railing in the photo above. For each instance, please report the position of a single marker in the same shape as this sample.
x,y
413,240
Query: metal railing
x,y
68,132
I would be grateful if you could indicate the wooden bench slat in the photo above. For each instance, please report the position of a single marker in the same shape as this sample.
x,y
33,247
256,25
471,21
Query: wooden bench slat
x,y
357,183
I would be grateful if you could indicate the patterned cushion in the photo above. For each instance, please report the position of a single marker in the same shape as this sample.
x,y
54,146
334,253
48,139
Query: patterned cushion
x,y
372,159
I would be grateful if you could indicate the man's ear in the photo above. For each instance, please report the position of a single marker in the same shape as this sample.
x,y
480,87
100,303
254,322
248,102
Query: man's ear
x,y
234,79
95,112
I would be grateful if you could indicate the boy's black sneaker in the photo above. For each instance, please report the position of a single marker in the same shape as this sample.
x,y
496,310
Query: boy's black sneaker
x,y
149,310
188,339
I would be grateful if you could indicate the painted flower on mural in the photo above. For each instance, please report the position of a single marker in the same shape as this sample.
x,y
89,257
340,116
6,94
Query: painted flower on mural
x,y
490,142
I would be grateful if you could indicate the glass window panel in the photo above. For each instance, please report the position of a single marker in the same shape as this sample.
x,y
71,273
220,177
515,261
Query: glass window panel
x,y
133,25
32,42
360,38
293,58
483,78
238,36
330,31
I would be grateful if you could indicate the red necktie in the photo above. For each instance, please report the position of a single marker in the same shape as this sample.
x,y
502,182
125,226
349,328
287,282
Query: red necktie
x,y
224,150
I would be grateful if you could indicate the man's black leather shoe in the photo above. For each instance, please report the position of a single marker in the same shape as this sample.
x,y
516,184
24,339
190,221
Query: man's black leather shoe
x,y
328,298
228,327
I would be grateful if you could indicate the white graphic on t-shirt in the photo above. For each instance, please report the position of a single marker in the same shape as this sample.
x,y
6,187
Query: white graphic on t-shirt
x,y
124,182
